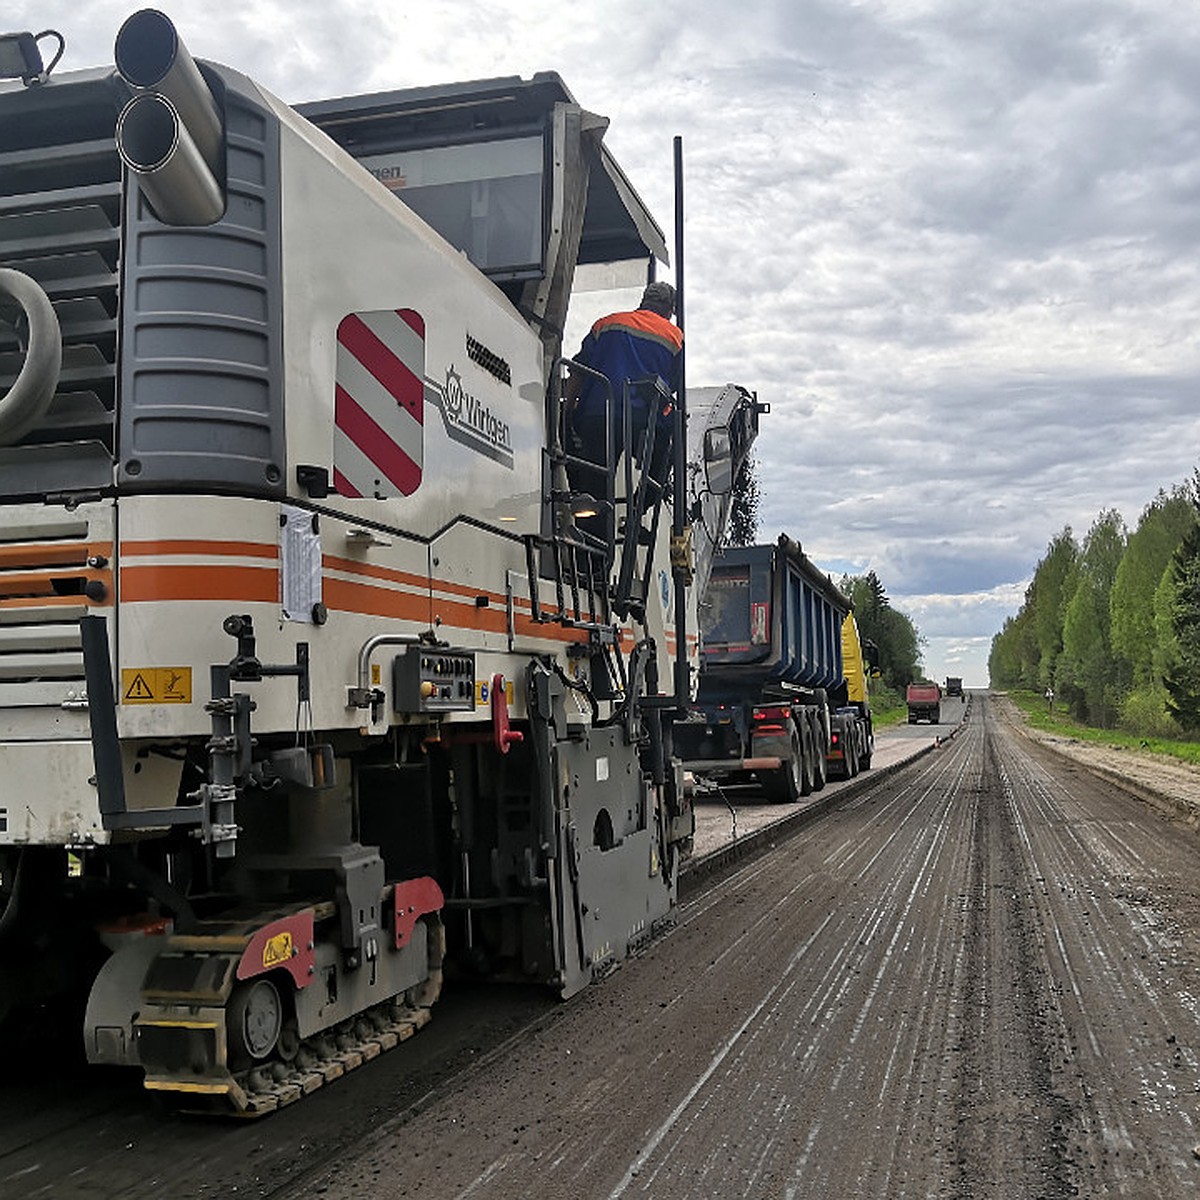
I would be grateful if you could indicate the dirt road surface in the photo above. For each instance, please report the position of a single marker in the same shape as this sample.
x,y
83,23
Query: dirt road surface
x,y
977,979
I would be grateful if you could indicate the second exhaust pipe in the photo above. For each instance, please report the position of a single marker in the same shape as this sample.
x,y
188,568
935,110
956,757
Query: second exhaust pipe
x,y
170,134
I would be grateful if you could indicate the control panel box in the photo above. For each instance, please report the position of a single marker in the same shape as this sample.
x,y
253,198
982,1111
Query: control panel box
x,y
426,680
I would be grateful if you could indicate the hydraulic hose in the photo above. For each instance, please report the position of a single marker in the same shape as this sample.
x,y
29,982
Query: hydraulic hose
x,y
26,402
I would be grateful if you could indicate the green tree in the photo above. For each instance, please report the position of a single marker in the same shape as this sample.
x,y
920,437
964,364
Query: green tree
x,y
1048,602
1013,659
1164,524
1004,667
877,598
1095,682
1166,644
1181,601
1114,625
892,631
1026,651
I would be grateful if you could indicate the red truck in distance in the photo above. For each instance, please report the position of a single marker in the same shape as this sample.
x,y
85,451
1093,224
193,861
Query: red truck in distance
x,y
924,702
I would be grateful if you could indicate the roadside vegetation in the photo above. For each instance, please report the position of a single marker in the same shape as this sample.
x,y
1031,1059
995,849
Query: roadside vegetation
x,y
888,706
892,633
896,641
1112,624
1062,724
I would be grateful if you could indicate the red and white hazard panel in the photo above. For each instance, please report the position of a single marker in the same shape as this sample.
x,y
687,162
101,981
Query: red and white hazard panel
x,y
379,406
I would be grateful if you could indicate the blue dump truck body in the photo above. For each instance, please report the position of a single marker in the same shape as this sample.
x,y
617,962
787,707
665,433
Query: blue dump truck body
x,y
770,618
771,667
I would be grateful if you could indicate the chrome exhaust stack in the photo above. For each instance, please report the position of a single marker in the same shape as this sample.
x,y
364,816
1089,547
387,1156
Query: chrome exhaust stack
x,y
170,134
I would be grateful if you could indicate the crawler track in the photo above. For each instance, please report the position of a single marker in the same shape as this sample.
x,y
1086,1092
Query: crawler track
x,y
189,1041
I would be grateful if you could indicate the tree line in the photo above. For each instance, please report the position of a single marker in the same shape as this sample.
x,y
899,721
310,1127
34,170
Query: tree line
x,y
893,633
1112,623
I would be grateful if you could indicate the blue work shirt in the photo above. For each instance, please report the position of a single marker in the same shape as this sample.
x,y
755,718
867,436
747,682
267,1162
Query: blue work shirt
x,y
627,345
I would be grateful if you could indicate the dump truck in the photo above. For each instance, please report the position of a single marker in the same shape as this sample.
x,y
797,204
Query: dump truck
x,y
954,686
924,699
312,685
772,654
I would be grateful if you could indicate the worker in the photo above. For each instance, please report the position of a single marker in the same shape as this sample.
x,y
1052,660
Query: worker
x,y
643,345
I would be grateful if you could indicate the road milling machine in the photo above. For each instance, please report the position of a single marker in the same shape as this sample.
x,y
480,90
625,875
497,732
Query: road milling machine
x,y
315,678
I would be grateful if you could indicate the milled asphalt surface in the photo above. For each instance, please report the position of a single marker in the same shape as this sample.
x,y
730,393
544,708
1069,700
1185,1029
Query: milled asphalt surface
x,y
975,980
737,821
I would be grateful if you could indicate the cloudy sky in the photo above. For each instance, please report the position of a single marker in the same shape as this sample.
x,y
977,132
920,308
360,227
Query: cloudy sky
x,y
953,243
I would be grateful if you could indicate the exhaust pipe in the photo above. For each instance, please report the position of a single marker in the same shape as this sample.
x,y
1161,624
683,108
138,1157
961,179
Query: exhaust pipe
x,y
25,403
170,134
171,171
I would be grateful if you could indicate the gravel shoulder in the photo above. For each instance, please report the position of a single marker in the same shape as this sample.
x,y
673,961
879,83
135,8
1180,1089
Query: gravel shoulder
x,y
1168,784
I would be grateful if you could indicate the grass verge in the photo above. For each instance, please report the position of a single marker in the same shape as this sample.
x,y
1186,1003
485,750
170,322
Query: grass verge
x,y
1061,723
888,706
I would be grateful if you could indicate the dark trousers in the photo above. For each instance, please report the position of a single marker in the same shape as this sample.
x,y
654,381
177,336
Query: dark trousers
x,y
589,434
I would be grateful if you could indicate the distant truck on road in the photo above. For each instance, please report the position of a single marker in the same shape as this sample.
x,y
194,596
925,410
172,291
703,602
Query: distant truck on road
x,y
953,685
782,693
924,702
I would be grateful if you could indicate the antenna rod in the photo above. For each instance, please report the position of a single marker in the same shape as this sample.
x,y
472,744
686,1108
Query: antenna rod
x,y
680,570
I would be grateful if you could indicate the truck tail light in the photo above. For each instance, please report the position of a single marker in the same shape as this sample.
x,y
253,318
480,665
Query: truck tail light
x,y
773,713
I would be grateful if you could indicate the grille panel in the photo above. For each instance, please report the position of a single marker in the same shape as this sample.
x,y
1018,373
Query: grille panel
x,y
46,563
60,223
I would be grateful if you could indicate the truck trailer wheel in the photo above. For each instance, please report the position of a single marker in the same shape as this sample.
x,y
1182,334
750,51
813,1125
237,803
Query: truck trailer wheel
x,y
820,772
807,768
784,785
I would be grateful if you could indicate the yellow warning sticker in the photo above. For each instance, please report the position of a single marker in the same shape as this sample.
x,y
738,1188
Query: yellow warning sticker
x,y
156,685
278,949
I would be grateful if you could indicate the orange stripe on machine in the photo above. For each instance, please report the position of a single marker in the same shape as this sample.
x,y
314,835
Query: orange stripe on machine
x,y
349,566
370,590
141,585
36,555
443,587
343,595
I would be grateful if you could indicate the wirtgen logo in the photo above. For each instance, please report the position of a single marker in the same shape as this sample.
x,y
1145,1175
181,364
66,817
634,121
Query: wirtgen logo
x,y
469,421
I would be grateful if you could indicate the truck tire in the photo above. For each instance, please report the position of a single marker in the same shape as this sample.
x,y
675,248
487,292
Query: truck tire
x,y
820,771
783,786
807,769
